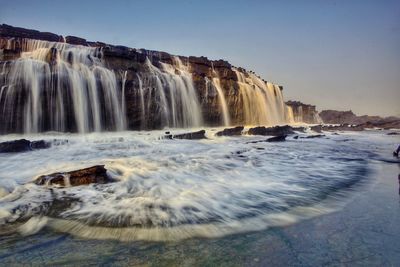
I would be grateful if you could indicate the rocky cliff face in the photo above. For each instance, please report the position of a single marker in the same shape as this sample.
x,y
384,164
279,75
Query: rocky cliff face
x,y
304,112
50,82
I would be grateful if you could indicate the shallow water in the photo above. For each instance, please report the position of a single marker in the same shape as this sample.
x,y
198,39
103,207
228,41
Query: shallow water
x,y
168,190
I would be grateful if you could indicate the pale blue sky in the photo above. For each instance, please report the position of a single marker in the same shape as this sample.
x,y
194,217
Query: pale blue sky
x,y
335,54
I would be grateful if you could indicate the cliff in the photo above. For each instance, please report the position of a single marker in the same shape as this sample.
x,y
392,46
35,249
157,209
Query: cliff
x,y
71,84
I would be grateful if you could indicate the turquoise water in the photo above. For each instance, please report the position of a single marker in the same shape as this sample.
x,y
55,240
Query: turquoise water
x,y
359,223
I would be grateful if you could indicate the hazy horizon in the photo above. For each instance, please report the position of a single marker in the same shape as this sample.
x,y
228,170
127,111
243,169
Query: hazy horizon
x,y
332,54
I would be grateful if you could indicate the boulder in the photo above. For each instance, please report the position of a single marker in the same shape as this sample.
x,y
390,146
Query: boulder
x,y
191,136
274,131
22,145
94,174
231,131
393,133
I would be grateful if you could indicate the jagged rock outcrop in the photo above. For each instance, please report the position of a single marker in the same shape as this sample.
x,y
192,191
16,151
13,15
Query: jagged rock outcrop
x,y
304,112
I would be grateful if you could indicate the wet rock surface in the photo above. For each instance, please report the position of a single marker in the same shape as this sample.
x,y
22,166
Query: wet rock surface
x,y
191,136
22,145
313,136
280,138
231,131
94,174
274,131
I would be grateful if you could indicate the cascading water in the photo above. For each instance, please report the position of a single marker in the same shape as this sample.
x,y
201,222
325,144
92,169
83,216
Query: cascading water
x,y
64,87
59,87
168,92
262,101
289,114
222,101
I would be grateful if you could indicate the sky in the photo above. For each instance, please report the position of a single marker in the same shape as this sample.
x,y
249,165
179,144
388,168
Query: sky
x,y
334,54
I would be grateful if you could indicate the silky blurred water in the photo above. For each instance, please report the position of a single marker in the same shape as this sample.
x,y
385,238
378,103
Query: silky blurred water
x,y
170,194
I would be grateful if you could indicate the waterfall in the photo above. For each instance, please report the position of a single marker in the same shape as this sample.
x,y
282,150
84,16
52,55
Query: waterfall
x,y
56,86
142,106
170,95
222,101
289,114
59,87
262,102
123,103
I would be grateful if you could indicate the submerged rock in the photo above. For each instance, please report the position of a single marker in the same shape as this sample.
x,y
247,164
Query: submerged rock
x,y
393,133
94,174
22,145
279,138
275,131
313,136
231,131
191,136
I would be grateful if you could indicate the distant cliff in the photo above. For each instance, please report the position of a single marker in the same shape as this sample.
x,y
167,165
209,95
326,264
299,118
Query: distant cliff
x,y
348,117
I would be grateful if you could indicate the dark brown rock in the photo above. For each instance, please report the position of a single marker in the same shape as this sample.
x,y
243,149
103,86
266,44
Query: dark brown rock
x,y
191,136
313,136
41,144
22,145
279,138
276,131
94,174
231,131
10,31
75,40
